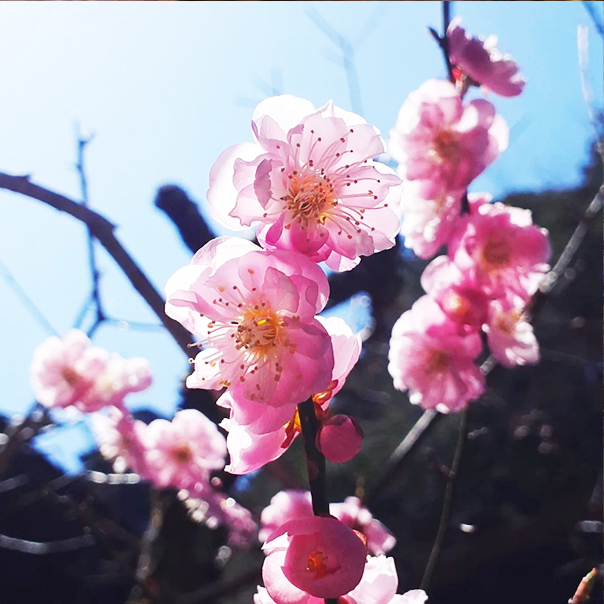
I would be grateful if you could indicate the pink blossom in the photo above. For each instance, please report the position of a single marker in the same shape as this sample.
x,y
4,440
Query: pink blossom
x,y
339,438
458,298
430,213
434,361
438,138
378,585
479,60
291,504
255,313
183,452
500,250
313,556
510,335
70,371
310,183
250,451
121,439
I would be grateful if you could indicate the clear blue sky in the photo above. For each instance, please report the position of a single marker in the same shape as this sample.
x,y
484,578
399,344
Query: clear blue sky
x,y
166,86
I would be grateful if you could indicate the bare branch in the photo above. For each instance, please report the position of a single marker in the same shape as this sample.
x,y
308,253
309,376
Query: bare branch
x,y
46,547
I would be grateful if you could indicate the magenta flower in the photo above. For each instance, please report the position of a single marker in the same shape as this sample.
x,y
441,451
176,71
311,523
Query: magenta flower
x,y
122,440
291,504
479,60
510,335
378,585
250,451
339,438
500,249
310,183
438,138
434,361
430,214
255,313
70,371
183,452
313,556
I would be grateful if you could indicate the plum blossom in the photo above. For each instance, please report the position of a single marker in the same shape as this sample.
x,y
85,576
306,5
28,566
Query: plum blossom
x,y
291,504
310,183
479,60
430,214
255,312
510,335
339,438
183,452
434,361
438,138
250,451
69,371
500,250
121,439
378,585
314,556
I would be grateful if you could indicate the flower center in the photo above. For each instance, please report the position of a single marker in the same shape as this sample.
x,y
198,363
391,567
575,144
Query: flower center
x,y
259,331
183,453
309,197
445,147
496,254
506,321
437,361
319,564
71,376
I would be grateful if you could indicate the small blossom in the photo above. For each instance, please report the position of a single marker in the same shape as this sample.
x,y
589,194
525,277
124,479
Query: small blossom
x,y
438,138
183,452
481,62
510,335
500,250
290,504
314,556
434,361
70,371
255,312
310,182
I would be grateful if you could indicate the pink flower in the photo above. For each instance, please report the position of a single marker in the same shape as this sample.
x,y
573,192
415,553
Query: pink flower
x,y
479,59
457,297
291,504
310,182
378,585
70,371
510,335
121,439
434,361
438,138
430,213
500,250
312,556
255,311
250,451
339,438
183,452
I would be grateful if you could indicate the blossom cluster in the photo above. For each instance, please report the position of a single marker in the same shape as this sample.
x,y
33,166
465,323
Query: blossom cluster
x,y
496,258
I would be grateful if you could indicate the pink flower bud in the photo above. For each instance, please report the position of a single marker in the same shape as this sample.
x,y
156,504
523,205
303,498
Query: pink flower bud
x,y
339,438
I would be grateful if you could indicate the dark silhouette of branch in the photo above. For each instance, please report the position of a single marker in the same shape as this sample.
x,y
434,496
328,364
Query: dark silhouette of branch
x,y
183,212
103,230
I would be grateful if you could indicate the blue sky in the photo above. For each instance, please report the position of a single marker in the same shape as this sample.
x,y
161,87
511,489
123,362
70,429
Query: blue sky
x,y
166,86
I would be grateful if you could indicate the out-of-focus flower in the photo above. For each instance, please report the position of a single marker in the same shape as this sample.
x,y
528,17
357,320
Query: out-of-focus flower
x,y
313,556
438,138
510,336
70,371
434,361
183,452
291,504
500,250
310,182
479,60
255,312
249,451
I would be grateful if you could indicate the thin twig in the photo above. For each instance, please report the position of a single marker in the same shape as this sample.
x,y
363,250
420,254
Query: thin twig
x,y
448,501
103,230
594,17
46,547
